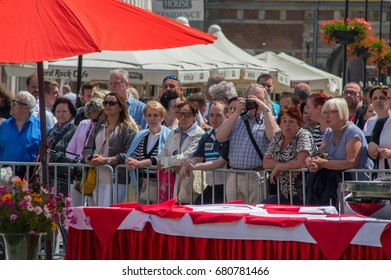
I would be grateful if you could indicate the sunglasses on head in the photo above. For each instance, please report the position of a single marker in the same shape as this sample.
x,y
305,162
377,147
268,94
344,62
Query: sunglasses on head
x,y
110,103
15,102
172,77
186,114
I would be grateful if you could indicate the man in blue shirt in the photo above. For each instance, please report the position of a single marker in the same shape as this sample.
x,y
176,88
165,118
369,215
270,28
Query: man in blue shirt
x,y
20,135
211,155
119,83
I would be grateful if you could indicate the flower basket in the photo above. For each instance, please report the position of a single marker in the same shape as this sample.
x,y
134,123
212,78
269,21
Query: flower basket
x,y
349,31
28,212
362,52
345,37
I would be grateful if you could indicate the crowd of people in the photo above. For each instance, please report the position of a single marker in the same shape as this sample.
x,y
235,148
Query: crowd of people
x,y
184,139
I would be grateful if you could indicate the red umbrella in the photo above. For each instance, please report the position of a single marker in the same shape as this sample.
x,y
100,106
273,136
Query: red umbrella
x,y
40,30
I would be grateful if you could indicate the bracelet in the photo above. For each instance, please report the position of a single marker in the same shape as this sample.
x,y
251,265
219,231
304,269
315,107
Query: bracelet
x,y
154,160
265,110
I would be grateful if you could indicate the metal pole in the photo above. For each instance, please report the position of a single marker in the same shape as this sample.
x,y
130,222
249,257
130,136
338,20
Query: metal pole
x,y
79,72
380,36
316,32
366,10
44,147
344,57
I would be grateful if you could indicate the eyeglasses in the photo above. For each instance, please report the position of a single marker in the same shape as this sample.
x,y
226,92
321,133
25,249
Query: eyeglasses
x,y
110,103
186,115
172,77
351,93
328,113
15,102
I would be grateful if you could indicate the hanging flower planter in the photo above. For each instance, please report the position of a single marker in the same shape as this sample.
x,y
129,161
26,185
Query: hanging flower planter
x,y
362,52
349,31
345,37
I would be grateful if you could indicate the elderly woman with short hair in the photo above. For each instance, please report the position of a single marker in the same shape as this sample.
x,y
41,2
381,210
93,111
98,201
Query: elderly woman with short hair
x,y
344,147
144,149
223,91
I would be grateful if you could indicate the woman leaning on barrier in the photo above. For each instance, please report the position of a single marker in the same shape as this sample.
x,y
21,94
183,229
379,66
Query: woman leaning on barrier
x,y
344,147
288,150
379,149
142,154
181,143
58,139
108,144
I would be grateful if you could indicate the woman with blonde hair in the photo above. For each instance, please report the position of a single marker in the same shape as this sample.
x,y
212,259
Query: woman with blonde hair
x,y
108,145
344,147
142,153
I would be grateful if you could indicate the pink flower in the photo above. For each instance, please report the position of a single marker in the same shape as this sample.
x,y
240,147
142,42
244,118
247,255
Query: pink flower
x,y
38,210
13,217
23,204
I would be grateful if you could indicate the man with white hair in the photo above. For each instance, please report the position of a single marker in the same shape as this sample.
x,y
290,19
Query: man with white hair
x,y
20,135
119,83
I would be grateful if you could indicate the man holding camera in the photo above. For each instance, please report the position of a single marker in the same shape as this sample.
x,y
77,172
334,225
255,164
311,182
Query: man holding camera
x,y
242,153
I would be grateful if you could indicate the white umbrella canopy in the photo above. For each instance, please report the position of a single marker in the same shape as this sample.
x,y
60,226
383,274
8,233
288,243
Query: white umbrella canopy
x,y
253,64
299,71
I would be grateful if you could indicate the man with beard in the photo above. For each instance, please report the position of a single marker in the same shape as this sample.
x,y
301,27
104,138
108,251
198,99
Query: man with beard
x,y
352,93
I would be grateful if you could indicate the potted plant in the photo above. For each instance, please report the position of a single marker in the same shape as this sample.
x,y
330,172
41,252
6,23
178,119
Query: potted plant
x,y
27,214
349,31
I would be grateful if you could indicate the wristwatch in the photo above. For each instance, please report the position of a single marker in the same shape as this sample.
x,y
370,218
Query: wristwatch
x,y
109,160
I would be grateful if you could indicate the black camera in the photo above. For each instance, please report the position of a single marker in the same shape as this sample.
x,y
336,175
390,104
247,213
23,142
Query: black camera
x,y
251,104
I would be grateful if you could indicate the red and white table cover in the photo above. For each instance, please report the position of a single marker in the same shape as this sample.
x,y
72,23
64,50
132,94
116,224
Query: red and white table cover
x,y
297,225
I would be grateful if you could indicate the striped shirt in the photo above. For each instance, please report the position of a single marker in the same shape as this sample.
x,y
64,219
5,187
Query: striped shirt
x,y
317,135
141,153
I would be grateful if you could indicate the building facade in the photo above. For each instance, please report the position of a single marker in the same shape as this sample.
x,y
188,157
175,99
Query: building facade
x,y
293,27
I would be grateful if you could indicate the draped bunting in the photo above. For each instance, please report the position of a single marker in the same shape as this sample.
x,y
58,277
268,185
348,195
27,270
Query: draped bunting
x,y
225,231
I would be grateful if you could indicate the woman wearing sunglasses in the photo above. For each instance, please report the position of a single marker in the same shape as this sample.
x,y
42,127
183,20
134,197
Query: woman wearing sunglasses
x,y
107,145
181,143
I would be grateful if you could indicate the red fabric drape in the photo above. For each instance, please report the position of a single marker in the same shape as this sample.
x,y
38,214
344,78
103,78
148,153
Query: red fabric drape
x,y
150,245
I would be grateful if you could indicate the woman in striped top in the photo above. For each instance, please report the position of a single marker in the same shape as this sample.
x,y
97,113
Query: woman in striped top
x,y
314,108
142,154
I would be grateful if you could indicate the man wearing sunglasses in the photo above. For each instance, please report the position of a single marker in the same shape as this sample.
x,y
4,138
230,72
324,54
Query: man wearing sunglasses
x,y
20,135
119,83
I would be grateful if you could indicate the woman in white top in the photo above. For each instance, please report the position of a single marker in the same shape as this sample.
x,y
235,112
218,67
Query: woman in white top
x,y
378,95
379,149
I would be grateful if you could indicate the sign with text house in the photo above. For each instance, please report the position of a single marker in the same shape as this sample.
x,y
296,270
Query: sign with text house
x,y
193,10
